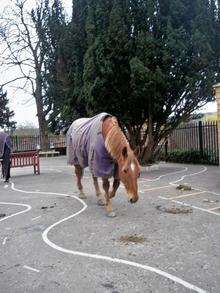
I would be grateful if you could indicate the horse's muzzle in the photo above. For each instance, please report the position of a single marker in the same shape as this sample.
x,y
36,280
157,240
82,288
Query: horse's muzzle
x,y
133,199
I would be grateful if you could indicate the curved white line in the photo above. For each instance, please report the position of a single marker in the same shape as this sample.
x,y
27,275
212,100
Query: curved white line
x,y
167,174
189,205
102,257
51,169
28,207
187,175
178,180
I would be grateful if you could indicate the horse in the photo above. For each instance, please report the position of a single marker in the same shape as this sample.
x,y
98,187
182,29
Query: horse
x,y
5,153
99,143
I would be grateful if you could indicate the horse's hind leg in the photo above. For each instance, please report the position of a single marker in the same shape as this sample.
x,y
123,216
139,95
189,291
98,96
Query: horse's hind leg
x,y
106,186
79,174
98,192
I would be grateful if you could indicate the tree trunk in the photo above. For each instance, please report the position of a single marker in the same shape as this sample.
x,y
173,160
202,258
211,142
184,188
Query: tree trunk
x,y
43,129
150,144
148,151
147,148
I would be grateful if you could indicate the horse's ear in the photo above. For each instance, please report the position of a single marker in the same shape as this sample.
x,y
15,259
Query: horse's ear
x,y
137,152
125,152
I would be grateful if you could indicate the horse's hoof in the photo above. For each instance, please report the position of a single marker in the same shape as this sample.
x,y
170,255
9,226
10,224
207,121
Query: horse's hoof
x,y
100,202
111,214
82,195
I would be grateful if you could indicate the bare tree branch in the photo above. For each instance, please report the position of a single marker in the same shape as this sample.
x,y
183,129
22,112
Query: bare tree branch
x,y
23,49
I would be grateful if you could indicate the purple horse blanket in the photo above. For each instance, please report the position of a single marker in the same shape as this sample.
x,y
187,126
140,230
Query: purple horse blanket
x,y
86,146
4,140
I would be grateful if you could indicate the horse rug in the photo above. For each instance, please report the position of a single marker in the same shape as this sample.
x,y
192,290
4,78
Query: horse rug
x,y
86,146
4,140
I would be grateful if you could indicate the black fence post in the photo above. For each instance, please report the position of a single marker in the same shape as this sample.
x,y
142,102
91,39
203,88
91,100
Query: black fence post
x,y
166,148
200,139
16,142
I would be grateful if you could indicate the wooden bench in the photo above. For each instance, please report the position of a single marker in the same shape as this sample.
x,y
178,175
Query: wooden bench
x,y
23,159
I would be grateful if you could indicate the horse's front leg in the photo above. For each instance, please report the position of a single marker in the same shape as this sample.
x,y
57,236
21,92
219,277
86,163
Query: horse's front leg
x,y
79,174
106,186
98,192
115,186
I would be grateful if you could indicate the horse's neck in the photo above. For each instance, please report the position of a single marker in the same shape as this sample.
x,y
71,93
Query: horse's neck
x,y
115,139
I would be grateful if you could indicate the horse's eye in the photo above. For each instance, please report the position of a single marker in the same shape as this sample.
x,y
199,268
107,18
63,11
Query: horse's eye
x,y
125,171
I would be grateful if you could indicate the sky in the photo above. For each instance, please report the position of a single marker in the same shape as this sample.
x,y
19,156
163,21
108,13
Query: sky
x,y
22,103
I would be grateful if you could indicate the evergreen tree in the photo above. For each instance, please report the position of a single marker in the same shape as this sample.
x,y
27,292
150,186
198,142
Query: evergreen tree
x,y
106,72
153,67
5,114
149,62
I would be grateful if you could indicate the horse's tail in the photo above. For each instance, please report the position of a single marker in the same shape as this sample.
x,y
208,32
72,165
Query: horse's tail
x,y
69,147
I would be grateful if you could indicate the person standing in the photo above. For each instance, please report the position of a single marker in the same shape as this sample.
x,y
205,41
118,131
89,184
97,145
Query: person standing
x,y
5,154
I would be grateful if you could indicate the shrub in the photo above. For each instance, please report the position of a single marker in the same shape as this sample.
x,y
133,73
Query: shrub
x,y
190,156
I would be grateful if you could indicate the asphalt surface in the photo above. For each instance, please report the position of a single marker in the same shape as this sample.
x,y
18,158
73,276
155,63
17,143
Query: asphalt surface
x,y
50,241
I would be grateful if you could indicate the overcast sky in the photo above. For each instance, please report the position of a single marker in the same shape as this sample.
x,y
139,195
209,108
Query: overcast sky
x,y
20,102
23,106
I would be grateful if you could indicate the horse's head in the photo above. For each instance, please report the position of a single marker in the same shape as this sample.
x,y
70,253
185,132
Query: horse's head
x,y
129,171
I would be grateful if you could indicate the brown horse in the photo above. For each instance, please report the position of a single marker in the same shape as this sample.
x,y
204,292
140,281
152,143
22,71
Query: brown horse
x,y
126,166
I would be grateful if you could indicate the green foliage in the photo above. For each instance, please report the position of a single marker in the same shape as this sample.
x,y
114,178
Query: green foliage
x,y
5,114
151,63
190,156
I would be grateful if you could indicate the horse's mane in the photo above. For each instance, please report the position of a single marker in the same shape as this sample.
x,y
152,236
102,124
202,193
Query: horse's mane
x,y
115,140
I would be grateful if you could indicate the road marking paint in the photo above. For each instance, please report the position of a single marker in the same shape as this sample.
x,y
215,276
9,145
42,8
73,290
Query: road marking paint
x,y
141,191
213,209
187,175
186,195
4,240
102,257
189,205
56,170
33,219
206,190
28,207
155,188
31,269
167,174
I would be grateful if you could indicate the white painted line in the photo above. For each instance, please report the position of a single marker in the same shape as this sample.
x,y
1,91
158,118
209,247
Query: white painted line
x,y
31,269
186,195
156,188
56,170
28,207
4,240
213,209
33,219
114,260
141,191
206,190
189,205
167,174
102,257
187,175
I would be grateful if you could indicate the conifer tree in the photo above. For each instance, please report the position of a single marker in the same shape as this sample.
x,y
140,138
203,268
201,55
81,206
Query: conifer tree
x,y
151,63
6,114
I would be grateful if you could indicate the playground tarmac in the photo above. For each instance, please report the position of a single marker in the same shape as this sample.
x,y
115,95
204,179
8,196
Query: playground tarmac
x,y
51,241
